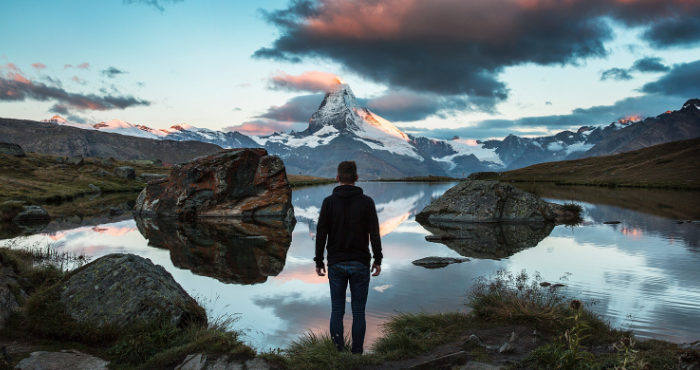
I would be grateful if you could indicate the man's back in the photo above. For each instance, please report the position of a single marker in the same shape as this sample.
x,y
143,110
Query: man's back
x,y
348,221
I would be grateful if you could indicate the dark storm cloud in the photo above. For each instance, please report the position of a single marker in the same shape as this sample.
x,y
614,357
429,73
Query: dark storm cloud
x,y
645,106
158,4
456,47
649,64
297,109
683,80
112,72
618,74
18,88
681,30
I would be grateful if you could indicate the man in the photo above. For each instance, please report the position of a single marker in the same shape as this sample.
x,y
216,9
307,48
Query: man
x,y
349,222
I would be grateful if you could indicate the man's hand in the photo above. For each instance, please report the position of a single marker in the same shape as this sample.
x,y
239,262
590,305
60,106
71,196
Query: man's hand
x,y
321,271
377,270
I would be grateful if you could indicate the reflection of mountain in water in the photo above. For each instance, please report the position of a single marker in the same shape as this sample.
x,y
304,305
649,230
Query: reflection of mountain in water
x,y
231,251
395,204
488,240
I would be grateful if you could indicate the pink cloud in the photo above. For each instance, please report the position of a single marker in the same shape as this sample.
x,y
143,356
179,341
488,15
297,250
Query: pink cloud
x,y
66,66
262,127
77,79
85,65
39,65
314,81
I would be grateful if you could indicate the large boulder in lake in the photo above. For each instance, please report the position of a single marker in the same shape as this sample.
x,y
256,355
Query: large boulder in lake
x,y
486,201
120,290
245,183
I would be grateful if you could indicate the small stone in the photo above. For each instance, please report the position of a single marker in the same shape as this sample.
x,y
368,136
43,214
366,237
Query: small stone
x,y
32,215
11,149
76,161
513,337
437,262
125,172
506,348
545,284
94,188
611,222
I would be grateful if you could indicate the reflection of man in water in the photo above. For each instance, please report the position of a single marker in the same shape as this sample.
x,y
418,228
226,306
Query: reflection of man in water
x,y
349,221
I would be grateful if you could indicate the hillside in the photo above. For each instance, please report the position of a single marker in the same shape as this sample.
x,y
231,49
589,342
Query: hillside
x,y
670,165
49,138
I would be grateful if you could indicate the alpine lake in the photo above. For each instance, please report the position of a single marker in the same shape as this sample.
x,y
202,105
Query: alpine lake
x,y
641,274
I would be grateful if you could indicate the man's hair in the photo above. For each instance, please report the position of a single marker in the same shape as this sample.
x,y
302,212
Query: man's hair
x,y
347,172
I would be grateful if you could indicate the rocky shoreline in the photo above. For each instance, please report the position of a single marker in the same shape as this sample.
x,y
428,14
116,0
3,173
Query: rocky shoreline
x,y
70,322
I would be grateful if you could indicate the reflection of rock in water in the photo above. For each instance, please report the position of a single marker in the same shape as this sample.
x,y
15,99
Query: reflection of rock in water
x,y
230,250
489,240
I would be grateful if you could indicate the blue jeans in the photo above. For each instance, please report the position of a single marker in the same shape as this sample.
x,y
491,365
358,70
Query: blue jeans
x,y
357,274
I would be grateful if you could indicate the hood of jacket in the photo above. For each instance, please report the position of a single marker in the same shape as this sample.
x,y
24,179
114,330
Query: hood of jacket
x,y
347,191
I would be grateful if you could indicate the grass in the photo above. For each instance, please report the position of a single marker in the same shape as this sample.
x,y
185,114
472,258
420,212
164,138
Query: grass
x,y
429,178
668,166
298,181
40,178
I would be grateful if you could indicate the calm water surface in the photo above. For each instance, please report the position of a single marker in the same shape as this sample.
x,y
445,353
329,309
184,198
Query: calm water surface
x,y
641,274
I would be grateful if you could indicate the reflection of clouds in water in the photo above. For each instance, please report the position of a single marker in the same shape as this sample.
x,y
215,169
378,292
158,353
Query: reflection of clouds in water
x,y
382,288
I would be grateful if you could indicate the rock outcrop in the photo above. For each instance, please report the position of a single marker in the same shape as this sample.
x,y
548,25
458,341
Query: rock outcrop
x,y
11,293
199,361
11,149
244,183
122,290
67,359
230,250
486,201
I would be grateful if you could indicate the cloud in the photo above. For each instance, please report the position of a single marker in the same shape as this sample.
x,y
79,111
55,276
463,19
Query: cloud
x,y
645,106
38,65
618,74
681,30
681,81
112,72
406,105
85,65
458,47
262,127
78,80
311,81
66,66
158,4
15,87
297,109
649,64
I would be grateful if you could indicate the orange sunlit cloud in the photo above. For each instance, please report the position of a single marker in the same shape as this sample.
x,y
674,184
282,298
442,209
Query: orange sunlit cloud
x,y
39,65
630,119
315,81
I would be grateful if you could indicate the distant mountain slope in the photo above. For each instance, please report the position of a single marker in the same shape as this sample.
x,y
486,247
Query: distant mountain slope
x,y
675,164
50,138
671,126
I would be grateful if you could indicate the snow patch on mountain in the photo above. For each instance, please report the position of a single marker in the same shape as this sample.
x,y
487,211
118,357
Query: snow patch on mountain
x,y
321,137
580,146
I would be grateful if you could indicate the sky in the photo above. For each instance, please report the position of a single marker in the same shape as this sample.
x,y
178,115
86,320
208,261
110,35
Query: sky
x,y
475,69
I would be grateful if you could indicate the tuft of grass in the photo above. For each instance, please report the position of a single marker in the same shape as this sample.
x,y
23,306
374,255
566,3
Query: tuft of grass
x,y
409,334
313,351
573,207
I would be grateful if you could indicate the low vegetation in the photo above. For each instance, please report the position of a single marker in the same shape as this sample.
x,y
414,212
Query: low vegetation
x,y
41,178
572,337
298,181
669,166
429,178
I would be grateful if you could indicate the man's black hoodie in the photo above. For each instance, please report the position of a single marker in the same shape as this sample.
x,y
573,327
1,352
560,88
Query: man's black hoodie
x,y
349,221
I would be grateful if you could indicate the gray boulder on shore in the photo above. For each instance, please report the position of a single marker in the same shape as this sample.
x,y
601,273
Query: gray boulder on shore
x,y
124,289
